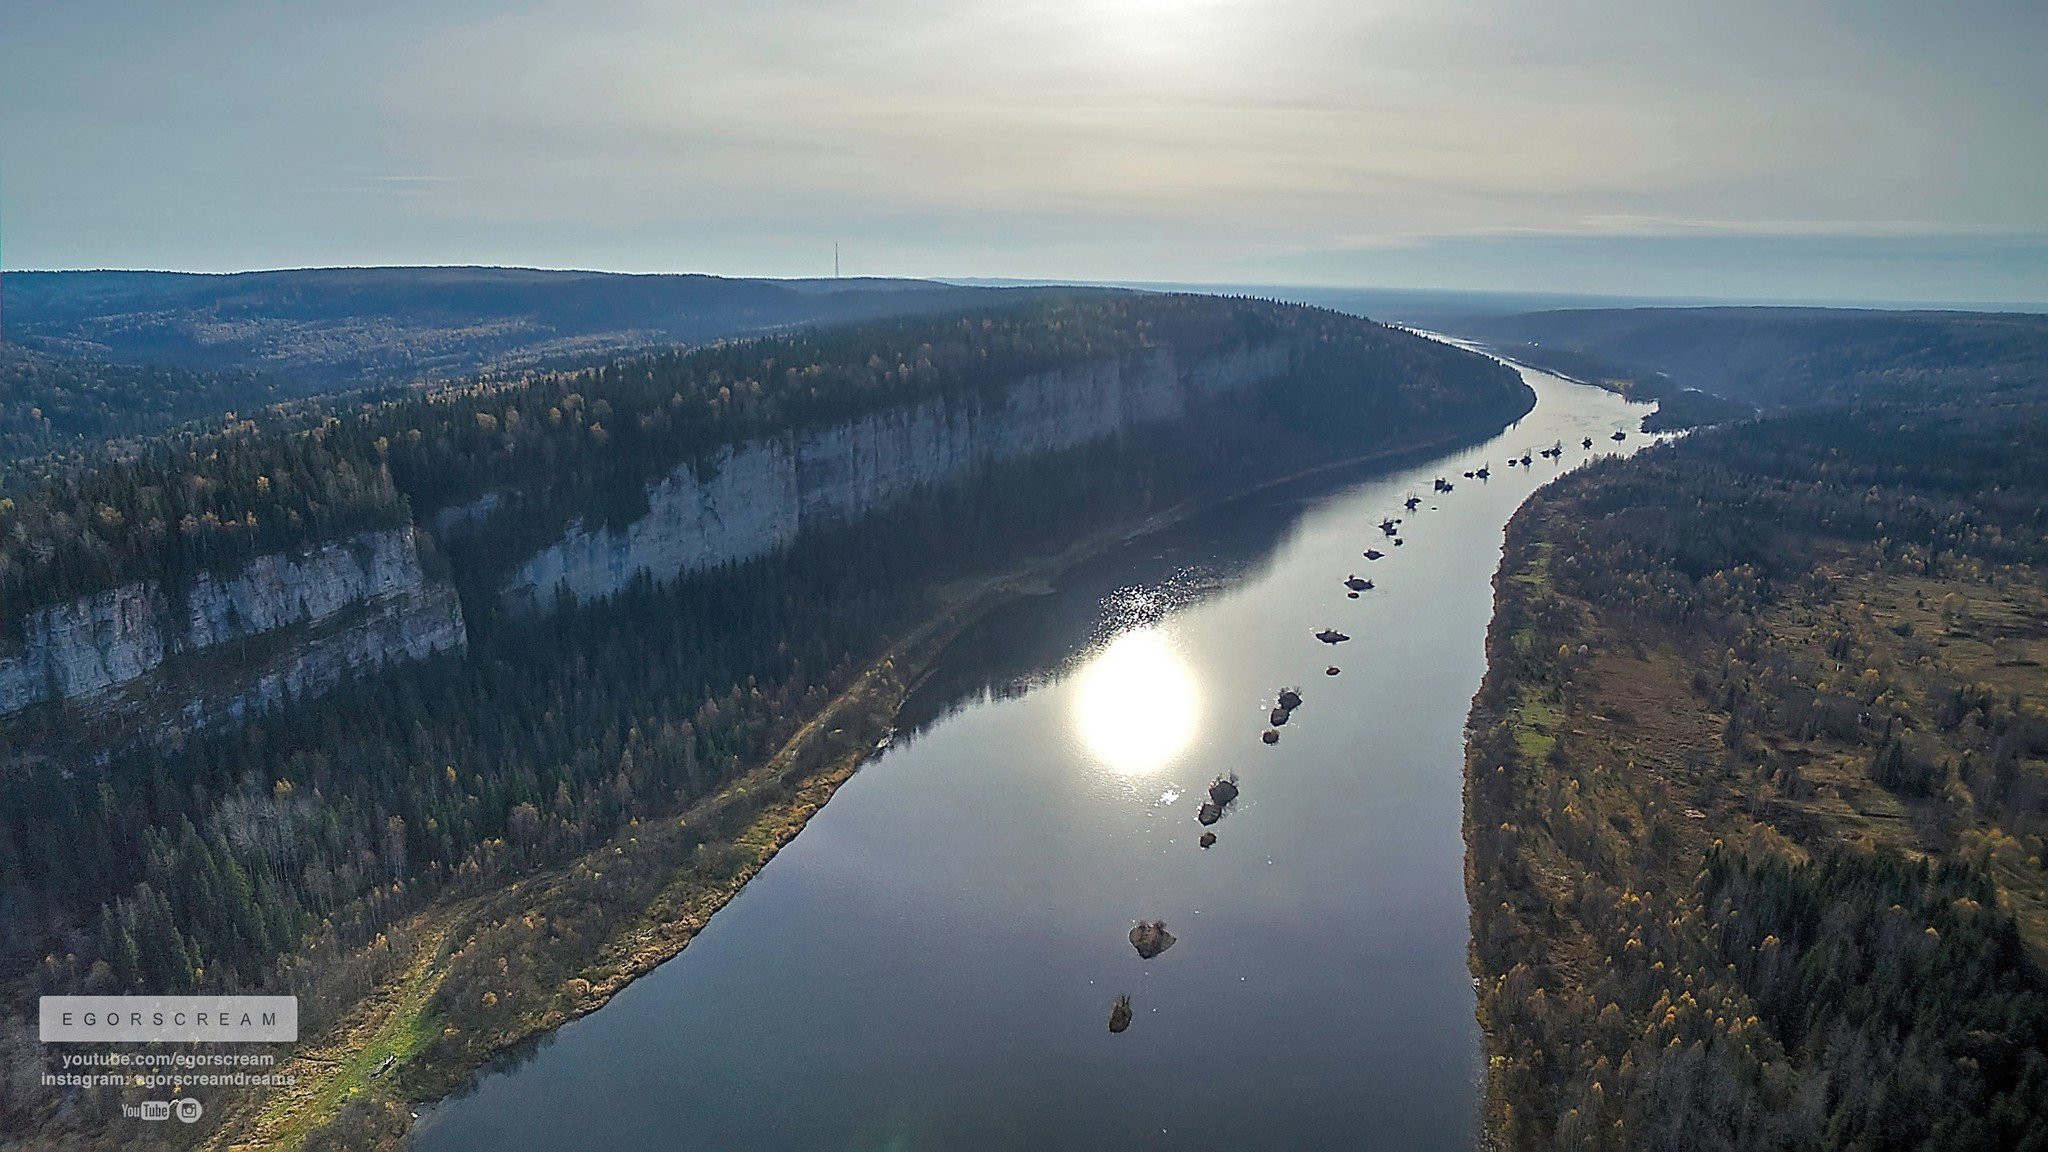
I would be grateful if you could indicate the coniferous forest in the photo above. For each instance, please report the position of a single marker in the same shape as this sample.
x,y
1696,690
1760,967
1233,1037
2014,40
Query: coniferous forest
x,y
1758,782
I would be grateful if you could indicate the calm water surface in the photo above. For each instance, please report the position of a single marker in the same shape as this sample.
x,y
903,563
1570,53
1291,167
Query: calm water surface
x,y
931,964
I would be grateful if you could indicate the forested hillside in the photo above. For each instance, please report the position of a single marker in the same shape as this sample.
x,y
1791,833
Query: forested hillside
x,y
327,328
1758,781
92,357
585,442
358,841
57,411
51,402
1780,357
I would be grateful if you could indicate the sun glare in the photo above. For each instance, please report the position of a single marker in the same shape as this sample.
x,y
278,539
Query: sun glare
x,y
1137,702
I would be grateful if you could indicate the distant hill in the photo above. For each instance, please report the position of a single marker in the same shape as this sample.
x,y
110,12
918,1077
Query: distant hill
x,y
1777,357
320,329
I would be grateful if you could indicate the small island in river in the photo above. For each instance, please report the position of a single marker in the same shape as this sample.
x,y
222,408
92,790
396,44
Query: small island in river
x,y
1150,938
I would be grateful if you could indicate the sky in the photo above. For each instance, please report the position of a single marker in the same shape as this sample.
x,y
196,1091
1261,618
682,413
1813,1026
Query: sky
x,y
1785,150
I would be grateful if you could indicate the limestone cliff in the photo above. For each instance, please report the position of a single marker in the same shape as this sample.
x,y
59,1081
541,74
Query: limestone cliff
x,y
158,660
278,625
756,496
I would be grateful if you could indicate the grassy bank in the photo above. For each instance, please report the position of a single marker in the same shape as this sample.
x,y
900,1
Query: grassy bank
x,y
674,873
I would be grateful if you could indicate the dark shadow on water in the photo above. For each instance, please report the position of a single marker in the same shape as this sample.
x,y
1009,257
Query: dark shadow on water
x,y
1035,640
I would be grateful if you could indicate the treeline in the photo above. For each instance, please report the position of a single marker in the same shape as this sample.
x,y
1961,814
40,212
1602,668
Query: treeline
x,y
1787,357
323,329
1587,368
48,401
282,855
1692,408
1678,407
1758,788
180,508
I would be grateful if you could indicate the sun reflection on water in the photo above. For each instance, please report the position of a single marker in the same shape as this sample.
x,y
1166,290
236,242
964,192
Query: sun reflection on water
x,y
1136,703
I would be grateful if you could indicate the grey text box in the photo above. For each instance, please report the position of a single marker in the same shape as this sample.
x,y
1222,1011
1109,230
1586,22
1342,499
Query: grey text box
x,y
143,1019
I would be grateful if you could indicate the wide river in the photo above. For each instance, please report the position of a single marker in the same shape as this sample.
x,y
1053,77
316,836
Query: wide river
x,y
931,964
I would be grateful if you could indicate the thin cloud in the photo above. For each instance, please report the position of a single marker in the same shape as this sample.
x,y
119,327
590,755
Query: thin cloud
x,y
1123,139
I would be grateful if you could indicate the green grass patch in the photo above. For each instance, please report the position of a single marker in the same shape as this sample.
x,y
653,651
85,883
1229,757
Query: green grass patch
x,y
1537,574
405,1031
1534,721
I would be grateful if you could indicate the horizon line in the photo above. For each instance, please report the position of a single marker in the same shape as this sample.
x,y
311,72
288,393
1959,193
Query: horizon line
x,y
1643,300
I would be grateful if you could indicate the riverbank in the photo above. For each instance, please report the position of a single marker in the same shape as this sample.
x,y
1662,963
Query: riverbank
x,y
676,872
1744,782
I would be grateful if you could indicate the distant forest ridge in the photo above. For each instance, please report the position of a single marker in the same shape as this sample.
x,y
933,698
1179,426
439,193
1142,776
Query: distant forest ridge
x,y
92,357
1778,357
324,328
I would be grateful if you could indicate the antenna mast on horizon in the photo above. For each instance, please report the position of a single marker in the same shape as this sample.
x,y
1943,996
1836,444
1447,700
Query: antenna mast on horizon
x,y
835,259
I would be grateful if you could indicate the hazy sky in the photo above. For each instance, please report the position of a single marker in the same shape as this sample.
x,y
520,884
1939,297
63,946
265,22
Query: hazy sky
x,y
1790,148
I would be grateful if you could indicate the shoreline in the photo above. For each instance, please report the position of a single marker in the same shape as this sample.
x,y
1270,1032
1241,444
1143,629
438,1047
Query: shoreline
x,y
798,780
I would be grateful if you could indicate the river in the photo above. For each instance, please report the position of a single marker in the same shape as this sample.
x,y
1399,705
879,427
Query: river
x,y
932,962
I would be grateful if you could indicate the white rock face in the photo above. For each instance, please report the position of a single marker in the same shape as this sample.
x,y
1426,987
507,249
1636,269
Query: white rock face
x,y
359,603
391,629
756,496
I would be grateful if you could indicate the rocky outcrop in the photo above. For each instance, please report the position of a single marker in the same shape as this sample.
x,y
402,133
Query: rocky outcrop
x,y
1150,938
1221,794
755,497
388,630
289,625
302,623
